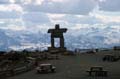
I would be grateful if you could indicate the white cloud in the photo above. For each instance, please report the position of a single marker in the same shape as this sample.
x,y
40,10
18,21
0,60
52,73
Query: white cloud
x,y
37,2
22,1
4,1
82,7
10,11
112,41
12,24
35,18
14,28
108,18
110,5
11,7
58,0
9,15
12,1
55,16
82,19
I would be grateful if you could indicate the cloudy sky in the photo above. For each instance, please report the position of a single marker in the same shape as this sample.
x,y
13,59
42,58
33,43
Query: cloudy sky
x,y
21,14
39,15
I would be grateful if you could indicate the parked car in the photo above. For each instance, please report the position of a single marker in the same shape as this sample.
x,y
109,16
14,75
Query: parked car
x,y
46,68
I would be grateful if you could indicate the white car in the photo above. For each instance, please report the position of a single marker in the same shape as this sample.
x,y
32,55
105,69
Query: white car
x,y
45,68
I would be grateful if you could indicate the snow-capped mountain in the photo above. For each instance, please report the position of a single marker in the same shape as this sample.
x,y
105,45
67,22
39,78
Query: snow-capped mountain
x,y
79,38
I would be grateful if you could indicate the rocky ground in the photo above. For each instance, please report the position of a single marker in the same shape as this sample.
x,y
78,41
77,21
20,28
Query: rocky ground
x,y
75,67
